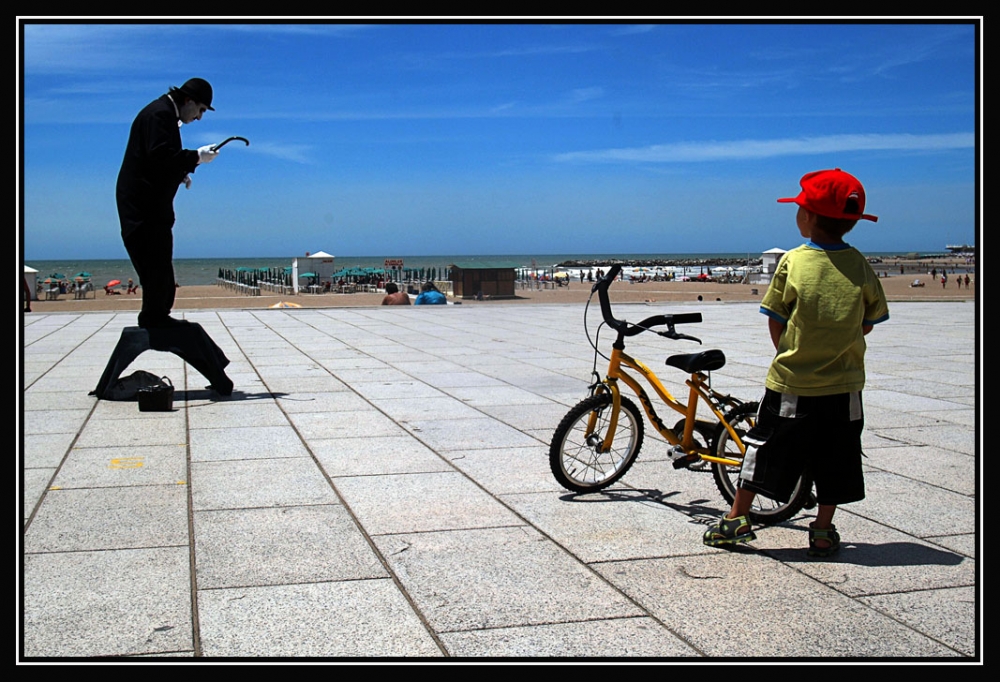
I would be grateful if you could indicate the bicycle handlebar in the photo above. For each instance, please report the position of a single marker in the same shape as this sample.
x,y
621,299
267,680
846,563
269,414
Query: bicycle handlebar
x,y
624,328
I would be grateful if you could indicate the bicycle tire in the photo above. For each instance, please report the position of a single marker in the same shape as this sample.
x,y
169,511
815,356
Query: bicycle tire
x,y
764,510
573,455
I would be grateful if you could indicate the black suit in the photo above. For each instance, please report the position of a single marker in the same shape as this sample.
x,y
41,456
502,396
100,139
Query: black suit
x,y
153,168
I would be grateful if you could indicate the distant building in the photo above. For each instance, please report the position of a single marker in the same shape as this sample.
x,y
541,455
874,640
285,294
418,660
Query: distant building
x,y
769,265
493,279
30,276
320,263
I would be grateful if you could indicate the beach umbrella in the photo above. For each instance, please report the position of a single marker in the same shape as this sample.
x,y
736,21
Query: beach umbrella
x,y
83,275
114,282
307,274
285,304
57,275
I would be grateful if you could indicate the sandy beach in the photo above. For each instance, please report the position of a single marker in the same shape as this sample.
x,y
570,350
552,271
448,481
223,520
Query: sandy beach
x,y
897,288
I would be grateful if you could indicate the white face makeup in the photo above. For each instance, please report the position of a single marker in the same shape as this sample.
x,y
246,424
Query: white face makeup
x,y
192,111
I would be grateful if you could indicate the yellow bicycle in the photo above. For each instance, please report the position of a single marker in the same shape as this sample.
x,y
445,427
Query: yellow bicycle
x,y
599,439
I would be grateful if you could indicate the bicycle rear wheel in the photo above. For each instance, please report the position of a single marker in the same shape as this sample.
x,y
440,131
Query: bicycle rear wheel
x,y
764,510
575,452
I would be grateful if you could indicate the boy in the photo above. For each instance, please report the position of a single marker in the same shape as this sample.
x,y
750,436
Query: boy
x,y
823,299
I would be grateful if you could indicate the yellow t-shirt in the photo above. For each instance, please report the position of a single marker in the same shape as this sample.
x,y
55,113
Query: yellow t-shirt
x,y
823,295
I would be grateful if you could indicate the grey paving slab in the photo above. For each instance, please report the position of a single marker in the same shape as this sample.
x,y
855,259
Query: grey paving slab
x,y
420,502
107,467
894,506
467,434
231,414
381,455
109,518
246,547
160,430
54,421
242,484
358,618
609,639
328,401
810,621
507,470
545,416
35,483
354,424
45,449
498,577
966,544
61,400
947,615
107,603
407,409
949,470
246,442
610,525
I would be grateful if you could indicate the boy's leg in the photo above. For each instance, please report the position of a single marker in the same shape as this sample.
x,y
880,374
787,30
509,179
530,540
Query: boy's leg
x,y
741,503
824,540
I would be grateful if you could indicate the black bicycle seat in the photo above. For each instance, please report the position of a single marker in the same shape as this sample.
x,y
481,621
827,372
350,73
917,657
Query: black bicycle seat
x,y
705,361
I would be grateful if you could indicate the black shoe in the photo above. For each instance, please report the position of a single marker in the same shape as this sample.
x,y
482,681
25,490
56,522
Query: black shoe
x,y
224,387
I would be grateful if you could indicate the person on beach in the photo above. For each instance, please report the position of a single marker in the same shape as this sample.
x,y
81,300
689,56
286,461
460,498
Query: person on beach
x,y
153,168
822,301
429,295
393,296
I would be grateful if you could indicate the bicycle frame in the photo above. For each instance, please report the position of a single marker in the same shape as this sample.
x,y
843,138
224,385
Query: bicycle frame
x,y
698,390
697,383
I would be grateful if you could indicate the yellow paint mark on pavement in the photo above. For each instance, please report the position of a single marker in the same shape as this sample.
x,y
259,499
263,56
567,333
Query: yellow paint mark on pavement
x,y
126,463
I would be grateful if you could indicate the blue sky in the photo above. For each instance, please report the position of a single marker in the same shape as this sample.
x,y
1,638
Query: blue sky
x,y
420,139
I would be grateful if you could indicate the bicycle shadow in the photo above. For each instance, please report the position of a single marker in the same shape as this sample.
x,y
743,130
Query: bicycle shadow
x,y
701,510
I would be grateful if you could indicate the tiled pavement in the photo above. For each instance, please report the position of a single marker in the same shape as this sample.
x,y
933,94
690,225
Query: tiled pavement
x,y
378,486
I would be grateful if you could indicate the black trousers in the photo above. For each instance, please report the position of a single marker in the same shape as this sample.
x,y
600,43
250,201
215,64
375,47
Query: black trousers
x,y
151,249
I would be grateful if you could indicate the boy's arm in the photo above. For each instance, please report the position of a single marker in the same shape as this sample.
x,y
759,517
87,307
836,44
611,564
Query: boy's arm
x,y
777,328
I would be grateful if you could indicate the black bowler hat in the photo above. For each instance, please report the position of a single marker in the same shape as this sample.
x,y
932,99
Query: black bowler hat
x,y
199,90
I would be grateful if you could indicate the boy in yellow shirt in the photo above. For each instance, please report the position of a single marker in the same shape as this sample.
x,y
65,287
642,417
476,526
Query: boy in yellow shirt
x,y
823,300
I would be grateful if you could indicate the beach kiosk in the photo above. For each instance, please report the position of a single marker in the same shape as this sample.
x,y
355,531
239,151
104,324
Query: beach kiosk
x,y
320,263
494,279
30,276
769,264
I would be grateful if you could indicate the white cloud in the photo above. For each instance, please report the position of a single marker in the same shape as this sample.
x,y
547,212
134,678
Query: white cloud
x,y
684,152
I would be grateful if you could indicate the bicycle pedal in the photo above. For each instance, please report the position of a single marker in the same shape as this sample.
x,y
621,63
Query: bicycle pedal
x,y
685,462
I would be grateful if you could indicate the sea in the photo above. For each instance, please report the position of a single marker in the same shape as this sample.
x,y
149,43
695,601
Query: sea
x,y
202,271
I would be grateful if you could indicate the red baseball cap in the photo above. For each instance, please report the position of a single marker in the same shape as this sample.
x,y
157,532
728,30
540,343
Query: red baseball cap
x,y
826,193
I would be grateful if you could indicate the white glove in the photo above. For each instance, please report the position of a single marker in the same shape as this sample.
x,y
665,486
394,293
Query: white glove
x,y
206,154
187,182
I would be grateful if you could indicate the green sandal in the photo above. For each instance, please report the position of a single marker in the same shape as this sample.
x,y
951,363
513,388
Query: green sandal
x,y
726,532
829,534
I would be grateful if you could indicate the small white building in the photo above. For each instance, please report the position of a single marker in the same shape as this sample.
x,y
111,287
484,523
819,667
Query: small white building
x,y
769,265
30,276
320,262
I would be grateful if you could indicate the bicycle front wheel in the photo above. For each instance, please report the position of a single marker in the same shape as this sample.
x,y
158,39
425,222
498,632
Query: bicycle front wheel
x,y
575,454
764,510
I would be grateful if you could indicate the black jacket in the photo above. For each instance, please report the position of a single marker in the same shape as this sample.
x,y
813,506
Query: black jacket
x,y
153,168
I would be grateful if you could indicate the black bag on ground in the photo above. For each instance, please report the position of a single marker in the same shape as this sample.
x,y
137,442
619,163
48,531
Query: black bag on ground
x,y
127,388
